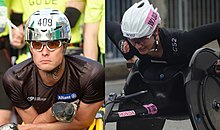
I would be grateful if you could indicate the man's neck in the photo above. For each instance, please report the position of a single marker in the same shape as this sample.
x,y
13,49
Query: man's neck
x,y
53,77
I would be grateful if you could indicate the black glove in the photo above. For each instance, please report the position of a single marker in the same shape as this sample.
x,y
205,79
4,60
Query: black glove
x,y
10,126
64,111
215,69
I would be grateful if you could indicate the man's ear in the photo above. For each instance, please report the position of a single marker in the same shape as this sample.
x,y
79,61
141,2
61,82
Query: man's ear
x,y
31,49
65,47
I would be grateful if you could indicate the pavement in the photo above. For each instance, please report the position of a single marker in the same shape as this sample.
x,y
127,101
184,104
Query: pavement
x,y
115,70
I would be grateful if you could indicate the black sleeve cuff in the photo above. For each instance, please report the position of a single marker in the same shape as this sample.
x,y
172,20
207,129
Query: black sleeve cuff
x,y
73,15
16,18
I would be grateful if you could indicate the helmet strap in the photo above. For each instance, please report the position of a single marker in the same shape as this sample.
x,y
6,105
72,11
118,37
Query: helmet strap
x,y
65,47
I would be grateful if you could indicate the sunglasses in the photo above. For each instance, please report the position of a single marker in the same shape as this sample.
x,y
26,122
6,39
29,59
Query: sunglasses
x,y
51,45
138,40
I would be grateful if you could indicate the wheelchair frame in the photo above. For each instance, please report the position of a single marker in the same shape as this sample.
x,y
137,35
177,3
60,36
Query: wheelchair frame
x,y
142,112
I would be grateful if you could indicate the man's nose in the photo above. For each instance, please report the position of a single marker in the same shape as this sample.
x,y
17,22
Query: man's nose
x,y
45,50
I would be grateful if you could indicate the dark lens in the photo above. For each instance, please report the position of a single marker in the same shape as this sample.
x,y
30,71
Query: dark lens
x,y
36,45
53,44
138,41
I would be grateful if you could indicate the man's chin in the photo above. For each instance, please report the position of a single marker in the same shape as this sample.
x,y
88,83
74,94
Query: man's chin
x,y
45,68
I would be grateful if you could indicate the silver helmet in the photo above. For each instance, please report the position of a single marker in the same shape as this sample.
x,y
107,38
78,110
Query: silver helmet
x,y
47,25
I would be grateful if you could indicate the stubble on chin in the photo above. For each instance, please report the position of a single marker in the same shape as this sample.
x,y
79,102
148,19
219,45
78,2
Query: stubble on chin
x,y
45,68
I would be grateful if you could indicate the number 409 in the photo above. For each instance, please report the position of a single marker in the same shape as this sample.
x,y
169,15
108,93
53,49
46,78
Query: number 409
x,y
45,22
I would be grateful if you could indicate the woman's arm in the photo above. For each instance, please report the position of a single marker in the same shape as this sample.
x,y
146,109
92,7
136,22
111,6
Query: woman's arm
x,y
200,36
114,32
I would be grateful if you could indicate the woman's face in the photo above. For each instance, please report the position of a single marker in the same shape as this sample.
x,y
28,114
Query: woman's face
x,y
143,45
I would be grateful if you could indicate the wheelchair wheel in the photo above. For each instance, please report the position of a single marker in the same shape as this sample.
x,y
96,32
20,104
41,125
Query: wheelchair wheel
x,y
211,101
204,103
202,91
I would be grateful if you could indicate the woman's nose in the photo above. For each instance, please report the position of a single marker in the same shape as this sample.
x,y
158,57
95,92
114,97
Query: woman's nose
x,y
139,45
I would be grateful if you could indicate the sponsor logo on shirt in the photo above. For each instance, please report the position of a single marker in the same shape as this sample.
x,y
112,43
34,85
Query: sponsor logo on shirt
x,y
66,97
174,46
38,99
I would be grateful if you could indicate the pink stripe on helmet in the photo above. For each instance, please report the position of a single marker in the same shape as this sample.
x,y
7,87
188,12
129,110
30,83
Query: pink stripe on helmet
x,y
152,19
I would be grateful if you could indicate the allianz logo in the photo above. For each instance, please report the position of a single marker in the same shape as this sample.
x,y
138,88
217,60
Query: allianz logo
x,y
66,96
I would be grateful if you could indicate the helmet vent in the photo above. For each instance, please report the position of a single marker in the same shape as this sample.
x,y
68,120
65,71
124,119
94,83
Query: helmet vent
x,y
55,10
53,13
57,27
37,13
31,28
44,30
141,5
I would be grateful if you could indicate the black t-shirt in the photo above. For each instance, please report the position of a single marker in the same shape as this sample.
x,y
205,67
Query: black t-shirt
x,y
178,46
83,79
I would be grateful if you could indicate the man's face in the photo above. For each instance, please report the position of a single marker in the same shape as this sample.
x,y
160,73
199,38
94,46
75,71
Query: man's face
x,y
45,59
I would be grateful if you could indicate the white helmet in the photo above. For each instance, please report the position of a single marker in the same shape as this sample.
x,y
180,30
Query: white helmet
x,y
47,25
140,20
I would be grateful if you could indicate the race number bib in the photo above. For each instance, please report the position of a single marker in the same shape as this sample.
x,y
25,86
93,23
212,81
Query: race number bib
x,y
42,23
3,18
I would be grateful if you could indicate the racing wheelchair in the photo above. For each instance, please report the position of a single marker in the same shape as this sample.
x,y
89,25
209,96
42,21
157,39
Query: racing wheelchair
x,y
158,92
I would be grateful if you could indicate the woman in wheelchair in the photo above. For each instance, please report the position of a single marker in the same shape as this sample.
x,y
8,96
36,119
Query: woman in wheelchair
x,y
167,59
